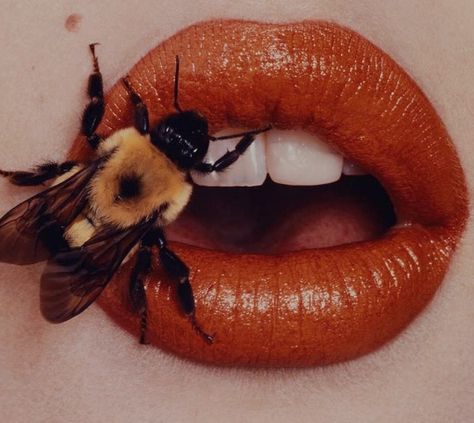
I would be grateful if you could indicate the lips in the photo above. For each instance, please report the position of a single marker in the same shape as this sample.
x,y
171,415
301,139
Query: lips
x,y
316,306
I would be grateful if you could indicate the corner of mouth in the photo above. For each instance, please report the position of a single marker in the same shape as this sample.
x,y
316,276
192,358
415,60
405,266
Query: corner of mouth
x,y
321,305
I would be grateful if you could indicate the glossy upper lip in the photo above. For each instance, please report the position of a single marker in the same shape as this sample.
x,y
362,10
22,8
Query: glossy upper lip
x,y
315,306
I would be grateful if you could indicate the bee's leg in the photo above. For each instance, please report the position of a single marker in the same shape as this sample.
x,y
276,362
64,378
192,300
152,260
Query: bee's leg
x,y
231,156
94,111
179,272
39,174
141,121
228,158
136,289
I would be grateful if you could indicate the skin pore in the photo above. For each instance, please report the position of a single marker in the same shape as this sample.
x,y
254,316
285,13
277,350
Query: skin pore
x,y
90,370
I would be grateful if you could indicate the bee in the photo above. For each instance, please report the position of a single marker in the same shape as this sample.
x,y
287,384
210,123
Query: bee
x,y
95,214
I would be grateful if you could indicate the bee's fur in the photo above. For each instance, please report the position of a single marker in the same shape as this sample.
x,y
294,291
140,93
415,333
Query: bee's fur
x,y
79,232
161,182
162,186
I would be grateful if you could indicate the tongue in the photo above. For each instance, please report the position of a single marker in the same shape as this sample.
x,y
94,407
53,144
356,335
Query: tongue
x,y
274,218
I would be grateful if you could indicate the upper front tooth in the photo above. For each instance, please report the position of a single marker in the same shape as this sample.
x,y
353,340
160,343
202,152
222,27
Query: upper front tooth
x,y
295,157
249,170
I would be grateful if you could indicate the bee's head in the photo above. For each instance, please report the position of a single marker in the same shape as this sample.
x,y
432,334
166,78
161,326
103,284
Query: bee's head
x,y
183,137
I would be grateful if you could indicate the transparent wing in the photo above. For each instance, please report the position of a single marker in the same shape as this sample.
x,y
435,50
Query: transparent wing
x,y
74,278
33,230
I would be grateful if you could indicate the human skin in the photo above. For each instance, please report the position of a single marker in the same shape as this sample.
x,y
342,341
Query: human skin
x,y
89,369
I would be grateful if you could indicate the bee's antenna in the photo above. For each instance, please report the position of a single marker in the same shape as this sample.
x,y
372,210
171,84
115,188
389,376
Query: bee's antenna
x,y
176,86
241,134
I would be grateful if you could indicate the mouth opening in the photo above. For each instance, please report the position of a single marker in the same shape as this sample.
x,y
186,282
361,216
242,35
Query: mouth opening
x,y
274,218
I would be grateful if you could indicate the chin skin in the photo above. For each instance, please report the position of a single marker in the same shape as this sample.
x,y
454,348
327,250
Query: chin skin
x,y
88,368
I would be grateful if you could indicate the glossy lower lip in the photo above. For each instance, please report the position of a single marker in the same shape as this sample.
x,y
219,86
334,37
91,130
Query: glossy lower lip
x,y
316,306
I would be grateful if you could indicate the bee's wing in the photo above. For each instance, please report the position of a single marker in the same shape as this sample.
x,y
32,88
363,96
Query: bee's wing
x,y
74,278
33,230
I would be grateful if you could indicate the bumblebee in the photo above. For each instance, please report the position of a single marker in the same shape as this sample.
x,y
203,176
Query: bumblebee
x,y
95,214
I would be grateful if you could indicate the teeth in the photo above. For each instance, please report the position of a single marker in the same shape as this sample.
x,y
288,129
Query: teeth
x,y
296,157
292,157
351,169
249,170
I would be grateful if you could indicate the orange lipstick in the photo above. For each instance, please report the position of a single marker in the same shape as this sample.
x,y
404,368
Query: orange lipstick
x,y
315,306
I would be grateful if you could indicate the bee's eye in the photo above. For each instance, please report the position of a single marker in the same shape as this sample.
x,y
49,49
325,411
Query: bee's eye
x,y
130,186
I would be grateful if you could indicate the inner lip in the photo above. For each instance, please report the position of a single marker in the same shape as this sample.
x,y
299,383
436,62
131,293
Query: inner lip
x,y
274,218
